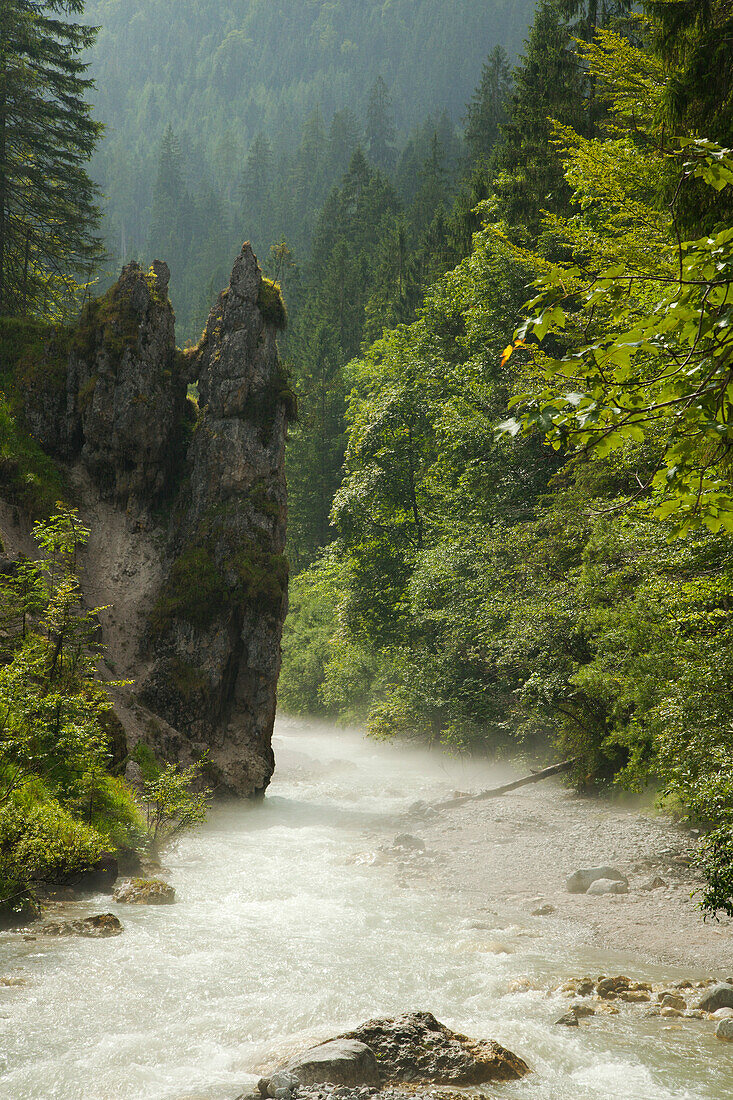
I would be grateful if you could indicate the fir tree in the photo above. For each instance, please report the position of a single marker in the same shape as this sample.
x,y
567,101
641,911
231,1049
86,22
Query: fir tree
x,y
48,211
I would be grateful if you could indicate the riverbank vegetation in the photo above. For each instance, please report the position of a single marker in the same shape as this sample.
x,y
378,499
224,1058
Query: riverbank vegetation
x,y
64,801
529,546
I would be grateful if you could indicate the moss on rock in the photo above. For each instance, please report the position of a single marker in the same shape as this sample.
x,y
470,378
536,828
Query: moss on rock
x,y
271,304
195,592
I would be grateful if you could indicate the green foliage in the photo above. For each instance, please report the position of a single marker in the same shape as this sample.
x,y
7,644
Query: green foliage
x,y
489,591
172,805
41,843
59,806
28,477
306,643
659,366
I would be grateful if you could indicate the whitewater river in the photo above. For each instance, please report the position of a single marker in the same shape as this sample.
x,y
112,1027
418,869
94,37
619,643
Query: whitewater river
x,y
292,925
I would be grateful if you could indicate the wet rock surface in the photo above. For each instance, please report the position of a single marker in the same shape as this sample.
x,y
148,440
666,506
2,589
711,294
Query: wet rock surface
x,y
719,996
338,1062
97,927
140,891
416,1048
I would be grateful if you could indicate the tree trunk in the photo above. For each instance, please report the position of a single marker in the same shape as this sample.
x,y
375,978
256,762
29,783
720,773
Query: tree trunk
x,y
495,792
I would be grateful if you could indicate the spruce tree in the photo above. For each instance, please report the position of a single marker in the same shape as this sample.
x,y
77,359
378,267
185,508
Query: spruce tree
x,y
695,37
48,208
486,111
380,127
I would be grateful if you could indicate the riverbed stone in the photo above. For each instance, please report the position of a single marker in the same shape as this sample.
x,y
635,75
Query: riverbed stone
x,y
98,927
724,1031
406,840
721,1014
611,987
417,1048
718,996
607,886
341,1061
282,1085
145,891
580,881
655,883
673,1000
568,1019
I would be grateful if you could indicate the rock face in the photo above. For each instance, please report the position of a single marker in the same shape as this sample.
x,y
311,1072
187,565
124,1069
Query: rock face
x,y
339,1062
416,1048
192,498
215,629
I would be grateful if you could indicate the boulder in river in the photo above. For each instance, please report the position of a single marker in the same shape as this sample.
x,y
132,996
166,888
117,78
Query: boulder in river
x,y
145,891
724,1030
97,927
338,1062
418,1049
717,996
579,881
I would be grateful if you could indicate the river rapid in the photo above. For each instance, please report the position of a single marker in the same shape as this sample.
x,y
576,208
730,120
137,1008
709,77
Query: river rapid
x,y
294,923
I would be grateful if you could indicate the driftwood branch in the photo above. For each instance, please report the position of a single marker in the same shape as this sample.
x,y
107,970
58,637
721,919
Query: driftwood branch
x,y
495,792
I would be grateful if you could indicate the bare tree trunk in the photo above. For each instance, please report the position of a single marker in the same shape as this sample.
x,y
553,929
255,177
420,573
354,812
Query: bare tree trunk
x,y
495,792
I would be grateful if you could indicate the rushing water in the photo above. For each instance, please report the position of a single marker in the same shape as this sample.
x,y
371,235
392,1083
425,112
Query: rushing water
x,y
286,932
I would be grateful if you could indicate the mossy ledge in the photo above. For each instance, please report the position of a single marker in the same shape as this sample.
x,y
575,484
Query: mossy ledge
x,y
272,305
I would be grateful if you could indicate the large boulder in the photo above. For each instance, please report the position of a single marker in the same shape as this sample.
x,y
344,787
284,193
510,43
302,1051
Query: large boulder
x,y
416,1048
580,881
717,996
338,1062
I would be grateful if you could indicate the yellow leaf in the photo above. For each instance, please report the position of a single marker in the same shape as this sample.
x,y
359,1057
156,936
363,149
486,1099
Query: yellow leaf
x,y
507,353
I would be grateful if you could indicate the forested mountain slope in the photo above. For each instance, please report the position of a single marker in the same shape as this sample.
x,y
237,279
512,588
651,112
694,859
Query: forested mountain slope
x,y
229,68
277,90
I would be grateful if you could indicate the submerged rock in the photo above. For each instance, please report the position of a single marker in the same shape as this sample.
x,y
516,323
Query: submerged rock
x,y
416,1048
338,1062
97,927
142,891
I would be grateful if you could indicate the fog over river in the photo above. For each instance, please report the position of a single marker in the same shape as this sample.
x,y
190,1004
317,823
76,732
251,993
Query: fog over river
x,y
296,919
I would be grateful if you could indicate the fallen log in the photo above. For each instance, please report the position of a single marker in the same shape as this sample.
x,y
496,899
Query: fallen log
x,y
495,792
